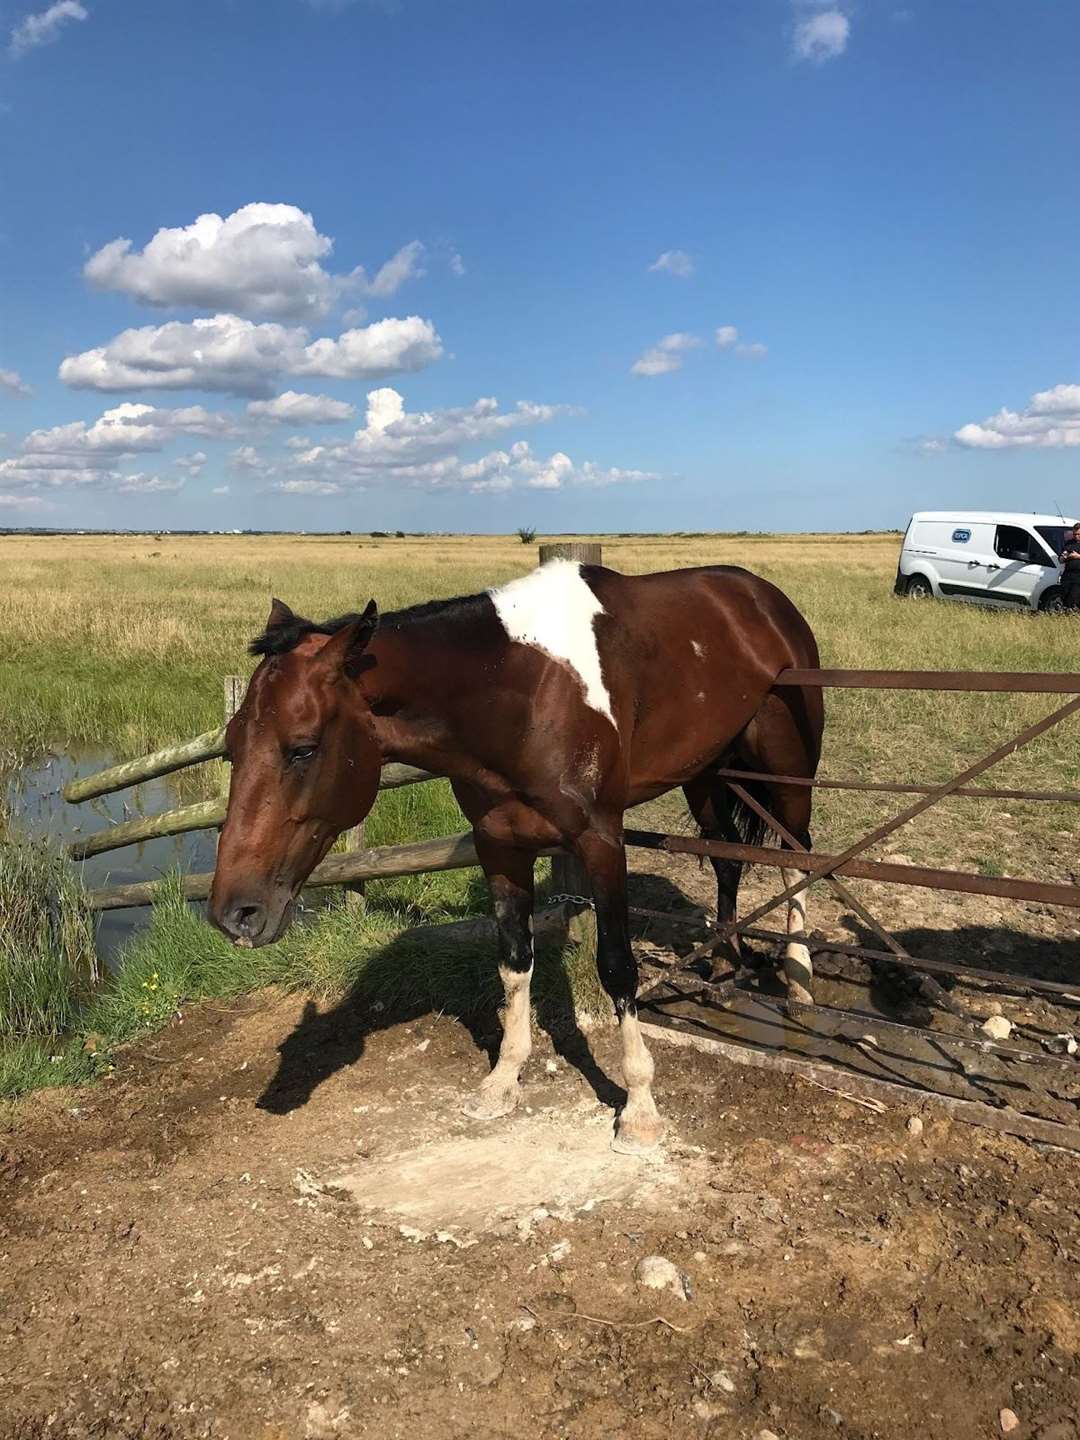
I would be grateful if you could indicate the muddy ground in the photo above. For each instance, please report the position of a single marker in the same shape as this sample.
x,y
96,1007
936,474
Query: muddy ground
x,y
273,1221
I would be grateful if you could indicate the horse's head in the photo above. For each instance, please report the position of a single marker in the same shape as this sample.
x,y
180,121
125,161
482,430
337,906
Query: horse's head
x,y
305,767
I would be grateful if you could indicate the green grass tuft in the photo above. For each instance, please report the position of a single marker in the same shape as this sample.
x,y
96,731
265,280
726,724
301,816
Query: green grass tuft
x,y
47,958
333,951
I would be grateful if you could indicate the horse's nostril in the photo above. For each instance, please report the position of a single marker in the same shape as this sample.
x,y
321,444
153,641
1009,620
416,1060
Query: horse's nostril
x,y
247,920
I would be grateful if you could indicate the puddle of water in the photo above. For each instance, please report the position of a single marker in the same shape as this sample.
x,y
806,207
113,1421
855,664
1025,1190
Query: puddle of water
x,y
33,800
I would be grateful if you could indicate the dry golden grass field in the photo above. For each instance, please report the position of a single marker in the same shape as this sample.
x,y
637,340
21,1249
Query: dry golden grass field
x,y
121,641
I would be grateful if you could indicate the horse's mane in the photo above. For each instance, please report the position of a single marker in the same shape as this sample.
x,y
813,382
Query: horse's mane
x,y
280,639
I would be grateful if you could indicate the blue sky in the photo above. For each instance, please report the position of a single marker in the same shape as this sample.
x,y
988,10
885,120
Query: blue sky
x,y
604,266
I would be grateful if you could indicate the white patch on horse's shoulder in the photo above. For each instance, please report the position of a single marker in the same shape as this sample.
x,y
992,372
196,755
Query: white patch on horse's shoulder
x,y
553,609
698,649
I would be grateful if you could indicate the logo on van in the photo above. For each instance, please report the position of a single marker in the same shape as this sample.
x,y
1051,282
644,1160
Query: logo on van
x,y
961,537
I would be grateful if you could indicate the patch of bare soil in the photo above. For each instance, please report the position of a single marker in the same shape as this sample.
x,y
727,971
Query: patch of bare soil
x,y
270,1224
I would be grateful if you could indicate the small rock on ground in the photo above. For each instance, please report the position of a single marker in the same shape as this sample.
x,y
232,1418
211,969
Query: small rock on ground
x,y
998,1028
656,1272
1007,1419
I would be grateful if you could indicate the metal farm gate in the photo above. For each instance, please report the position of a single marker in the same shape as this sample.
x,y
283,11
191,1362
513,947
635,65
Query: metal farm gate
x,y
1022,1090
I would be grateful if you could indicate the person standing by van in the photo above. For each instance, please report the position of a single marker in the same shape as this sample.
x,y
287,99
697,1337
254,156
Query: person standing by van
x,y
1070,573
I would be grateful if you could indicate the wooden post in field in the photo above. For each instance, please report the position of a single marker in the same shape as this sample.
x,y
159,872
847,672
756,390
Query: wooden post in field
x,y
588,552
354,889
234,687
567,872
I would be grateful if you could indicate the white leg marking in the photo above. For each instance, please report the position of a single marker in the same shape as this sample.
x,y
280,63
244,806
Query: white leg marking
x,y
498,1094
798,968
640,1126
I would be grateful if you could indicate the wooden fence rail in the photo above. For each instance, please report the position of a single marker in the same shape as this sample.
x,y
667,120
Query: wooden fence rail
x,y
448,852
210,746
204,815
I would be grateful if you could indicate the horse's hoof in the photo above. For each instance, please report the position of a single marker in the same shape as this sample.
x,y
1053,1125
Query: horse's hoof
x,y
798,994
491,1104
640,1137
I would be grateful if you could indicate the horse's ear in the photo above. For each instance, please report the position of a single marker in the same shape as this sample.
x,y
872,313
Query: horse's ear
x,y
344,652
280,615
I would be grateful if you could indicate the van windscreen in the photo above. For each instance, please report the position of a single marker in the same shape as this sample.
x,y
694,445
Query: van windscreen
x,y
1054,535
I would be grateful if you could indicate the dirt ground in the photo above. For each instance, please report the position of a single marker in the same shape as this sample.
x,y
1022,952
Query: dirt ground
x,y
271,1222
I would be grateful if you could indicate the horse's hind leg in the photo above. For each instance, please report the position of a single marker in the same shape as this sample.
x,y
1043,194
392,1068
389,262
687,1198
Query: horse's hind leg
x,y
781,742
798,967
709,801
602,853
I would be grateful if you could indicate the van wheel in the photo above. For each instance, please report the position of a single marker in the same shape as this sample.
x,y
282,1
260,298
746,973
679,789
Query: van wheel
x,y
919,588
1050,602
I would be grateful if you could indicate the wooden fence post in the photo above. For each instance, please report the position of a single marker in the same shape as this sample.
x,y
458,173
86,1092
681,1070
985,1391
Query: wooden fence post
x,y
354,889
234,686
568,875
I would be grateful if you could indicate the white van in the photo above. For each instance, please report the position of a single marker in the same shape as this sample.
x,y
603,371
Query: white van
x,y
983,556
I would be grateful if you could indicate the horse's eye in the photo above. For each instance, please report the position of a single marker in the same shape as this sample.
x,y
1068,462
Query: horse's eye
x,y
299,753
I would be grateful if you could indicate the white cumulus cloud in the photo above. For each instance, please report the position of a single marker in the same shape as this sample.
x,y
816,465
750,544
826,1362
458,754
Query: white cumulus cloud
x,y
247,458
263,260
308,487
45,27
126,430
142,484
666,355
425,449
727,338
80,455
821,36
1050,421
675,262
46,473
24,502
407,264
293,407
13,382
236,356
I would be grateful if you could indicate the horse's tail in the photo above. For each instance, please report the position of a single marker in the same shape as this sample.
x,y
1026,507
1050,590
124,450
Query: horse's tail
x,y
745,824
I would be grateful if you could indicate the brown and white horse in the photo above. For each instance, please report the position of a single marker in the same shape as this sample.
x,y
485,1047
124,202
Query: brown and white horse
x,y
553,703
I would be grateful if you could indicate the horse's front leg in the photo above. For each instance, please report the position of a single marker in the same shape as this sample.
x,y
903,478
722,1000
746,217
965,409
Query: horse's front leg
x,y
604,857
510,878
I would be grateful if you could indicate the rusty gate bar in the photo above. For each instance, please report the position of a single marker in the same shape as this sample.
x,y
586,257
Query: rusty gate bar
x,y
931,988
847,1021
971,1112
837,886
1008,682
821,945
969,792
817,865
1009,747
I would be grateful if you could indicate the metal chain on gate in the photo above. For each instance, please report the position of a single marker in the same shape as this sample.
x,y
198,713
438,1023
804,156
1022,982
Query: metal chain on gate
x,y
565,899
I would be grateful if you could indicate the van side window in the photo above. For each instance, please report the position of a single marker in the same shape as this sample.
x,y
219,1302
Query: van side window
x,y
1012,543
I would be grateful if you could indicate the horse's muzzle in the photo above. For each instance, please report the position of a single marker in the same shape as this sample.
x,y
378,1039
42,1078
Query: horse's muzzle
x,y
250,924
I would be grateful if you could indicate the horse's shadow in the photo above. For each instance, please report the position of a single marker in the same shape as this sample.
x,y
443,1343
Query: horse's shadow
x,y
325,1041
